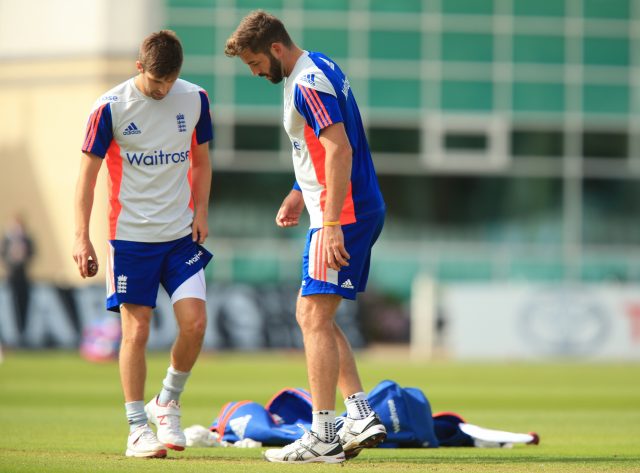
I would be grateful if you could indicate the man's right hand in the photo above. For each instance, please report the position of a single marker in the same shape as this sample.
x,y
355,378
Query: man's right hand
x,y
82,251
289,213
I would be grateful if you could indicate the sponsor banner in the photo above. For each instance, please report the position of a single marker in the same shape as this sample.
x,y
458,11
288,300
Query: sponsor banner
x,y
239,317
524,321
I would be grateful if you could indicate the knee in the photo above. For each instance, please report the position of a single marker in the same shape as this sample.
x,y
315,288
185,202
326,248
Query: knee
x,y
196,327
313,321
136,335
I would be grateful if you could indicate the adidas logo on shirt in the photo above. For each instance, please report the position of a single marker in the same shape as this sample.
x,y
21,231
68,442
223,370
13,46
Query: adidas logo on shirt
x,y
309,78
347,284
132,129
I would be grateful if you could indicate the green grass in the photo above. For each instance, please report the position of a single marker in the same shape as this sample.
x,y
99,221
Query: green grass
x,y
59,413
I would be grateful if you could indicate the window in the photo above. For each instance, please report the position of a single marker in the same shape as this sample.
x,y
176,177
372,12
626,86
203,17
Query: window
x,y
394,93
605,144
467,47
394,140
325,5
537,143
201,39
330,41
395,6
605,98
606,51
467,7
394,45
256,91
538,8
465,141
465,95
611,208
466,144
538,97
605,9
257,137
538,49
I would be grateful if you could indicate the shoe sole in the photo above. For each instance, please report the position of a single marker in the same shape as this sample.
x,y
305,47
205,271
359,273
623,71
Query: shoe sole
x,y
369,442
177,448
310,460
157,454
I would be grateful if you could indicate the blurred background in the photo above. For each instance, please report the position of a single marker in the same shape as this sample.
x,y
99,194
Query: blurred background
x,y
505,133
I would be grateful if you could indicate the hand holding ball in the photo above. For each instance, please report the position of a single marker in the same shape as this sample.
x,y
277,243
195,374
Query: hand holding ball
x,y
92,268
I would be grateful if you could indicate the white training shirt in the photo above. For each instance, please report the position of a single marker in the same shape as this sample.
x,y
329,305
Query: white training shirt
x,y
317,94
147,146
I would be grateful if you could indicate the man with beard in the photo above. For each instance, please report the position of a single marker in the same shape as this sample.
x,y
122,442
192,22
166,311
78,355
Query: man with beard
x,y
336,180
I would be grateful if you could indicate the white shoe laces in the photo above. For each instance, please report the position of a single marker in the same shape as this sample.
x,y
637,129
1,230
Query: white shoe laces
x,y
148,435
300,441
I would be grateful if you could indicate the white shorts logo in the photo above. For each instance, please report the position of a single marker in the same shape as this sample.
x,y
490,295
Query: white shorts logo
x,y
195,258
122,284
347,284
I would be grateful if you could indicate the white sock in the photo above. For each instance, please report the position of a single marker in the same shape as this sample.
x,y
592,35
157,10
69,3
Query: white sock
x,y
135,414
172,386
357,406
324,425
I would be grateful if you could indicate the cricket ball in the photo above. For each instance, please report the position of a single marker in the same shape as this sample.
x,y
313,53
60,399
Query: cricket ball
x,y
92,268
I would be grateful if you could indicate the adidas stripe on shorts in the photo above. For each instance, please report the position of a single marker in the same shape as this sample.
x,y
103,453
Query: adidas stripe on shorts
x,y
359,238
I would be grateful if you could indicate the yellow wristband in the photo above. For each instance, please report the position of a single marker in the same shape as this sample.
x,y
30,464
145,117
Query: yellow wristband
x,y
331,224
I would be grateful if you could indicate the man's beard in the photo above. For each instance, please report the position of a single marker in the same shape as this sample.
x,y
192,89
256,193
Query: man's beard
x,y
275,70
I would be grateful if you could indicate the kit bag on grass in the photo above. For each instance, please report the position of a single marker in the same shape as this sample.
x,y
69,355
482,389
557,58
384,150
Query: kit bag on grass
x,y
275,424
406,413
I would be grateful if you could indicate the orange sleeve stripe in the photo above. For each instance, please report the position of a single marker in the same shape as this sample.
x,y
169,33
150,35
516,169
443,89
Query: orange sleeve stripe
x,y
90,125
311,101
323,110
311,105
94,130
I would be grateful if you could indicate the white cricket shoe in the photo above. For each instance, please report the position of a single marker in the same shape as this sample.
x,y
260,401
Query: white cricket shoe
x,y
143,442
356,434
167,420
307,449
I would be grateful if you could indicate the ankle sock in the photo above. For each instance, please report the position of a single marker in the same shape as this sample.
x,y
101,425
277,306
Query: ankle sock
x,y
172,385
357,406
324,425
135,414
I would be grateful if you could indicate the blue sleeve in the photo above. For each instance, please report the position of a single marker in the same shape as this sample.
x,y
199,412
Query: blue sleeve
x,y
99,132
296,186
204,127
319,109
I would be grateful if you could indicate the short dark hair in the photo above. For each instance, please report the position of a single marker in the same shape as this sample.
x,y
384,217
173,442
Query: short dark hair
x,y
257,31
161,53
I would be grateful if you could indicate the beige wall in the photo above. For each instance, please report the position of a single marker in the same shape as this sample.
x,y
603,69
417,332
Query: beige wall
x,y
44,106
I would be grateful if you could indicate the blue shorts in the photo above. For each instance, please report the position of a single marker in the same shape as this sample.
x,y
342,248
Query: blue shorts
x,y
359,238
135,270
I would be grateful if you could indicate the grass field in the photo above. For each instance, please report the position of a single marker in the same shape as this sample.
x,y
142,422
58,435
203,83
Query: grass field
x,y
59,413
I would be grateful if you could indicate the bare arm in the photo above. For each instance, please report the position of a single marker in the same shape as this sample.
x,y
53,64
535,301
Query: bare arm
x,y
83,203
338,157
201,187
290,210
